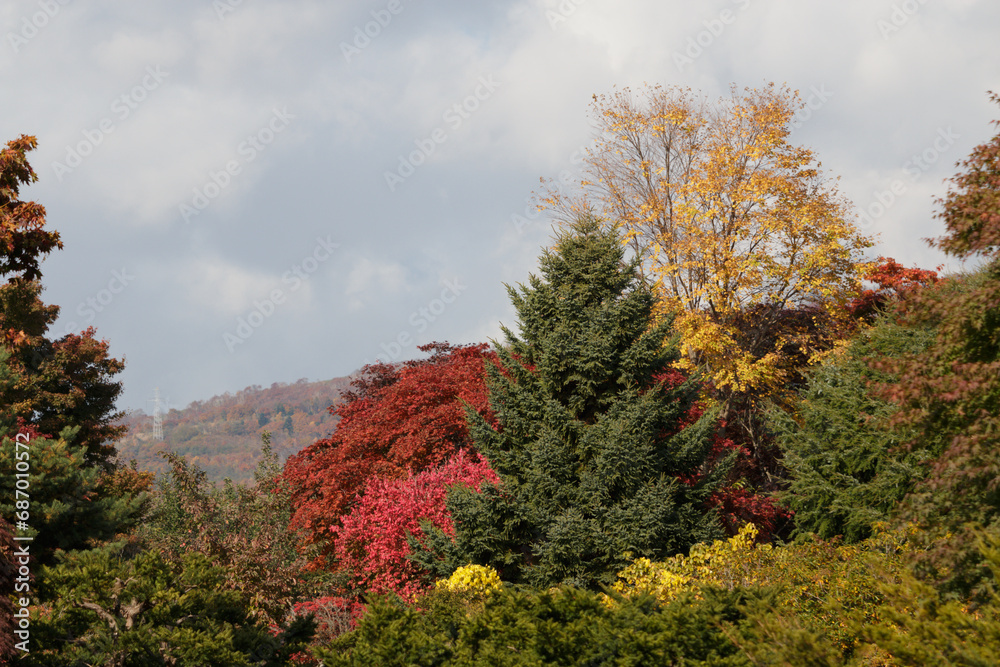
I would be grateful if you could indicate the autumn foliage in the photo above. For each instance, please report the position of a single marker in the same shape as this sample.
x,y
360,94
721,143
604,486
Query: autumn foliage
x,y
23,237
950,394
736,503
398,420
57,383
372,541
726,215
892,281
635,417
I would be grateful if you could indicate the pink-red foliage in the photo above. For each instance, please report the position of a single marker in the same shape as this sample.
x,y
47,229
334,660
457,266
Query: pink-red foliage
x,y
397,420
371,541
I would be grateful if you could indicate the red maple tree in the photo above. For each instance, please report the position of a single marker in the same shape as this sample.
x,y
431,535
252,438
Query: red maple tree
x,y
397,420
737,502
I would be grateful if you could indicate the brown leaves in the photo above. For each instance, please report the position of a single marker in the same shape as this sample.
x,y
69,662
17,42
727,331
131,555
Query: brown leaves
x,y
23,239
971,211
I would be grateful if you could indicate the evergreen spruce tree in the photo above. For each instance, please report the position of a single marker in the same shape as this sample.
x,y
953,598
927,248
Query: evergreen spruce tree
x,y
70,505
848,466
597,460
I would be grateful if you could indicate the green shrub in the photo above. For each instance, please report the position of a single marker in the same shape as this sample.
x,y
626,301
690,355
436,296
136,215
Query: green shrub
x,y
561,626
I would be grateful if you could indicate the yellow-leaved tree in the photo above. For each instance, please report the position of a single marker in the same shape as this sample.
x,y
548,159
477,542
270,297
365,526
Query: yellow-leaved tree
x,y
736,226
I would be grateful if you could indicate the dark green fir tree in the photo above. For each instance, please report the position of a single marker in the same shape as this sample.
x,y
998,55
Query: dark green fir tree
x,y
597,461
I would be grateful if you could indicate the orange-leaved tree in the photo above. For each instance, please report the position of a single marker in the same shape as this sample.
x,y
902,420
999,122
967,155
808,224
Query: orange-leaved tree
x,y
57,383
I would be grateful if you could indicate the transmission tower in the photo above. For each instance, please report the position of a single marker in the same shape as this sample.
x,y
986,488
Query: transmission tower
x,y
157,416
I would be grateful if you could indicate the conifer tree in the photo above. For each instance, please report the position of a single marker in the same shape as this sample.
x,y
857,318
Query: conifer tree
x,y
56,383
847,465
72,505
595,464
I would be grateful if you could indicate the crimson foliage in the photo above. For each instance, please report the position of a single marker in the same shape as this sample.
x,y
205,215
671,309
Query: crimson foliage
x,y
372,540
893,281
397,420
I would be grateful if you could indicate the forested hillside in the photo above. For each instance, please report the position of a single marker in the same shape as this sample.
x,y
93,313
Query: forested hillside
x,y
222,434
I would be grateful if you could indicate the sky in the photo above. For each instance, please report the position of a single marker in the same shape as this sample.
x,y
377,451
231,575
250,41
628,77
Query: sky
x,y
254,191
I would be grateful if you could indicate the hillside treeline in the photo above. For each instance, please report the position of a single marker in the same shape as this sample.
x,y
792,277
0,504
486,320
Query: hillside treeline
x,y
222,434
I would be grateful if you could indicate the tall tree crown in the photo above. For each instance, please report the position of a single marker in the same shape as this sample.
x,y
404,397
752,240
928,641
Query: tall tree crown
x,y
593,451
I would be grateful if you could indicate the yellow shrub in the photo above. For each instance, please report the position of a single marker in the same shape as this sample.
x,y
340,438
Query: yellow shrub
x,y
473,579
726,563
822,585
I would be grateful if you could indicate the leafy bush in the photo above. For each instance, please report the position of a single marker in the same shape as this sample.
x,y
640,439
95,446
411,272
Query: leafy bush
x,y
243,529
334,615
727,563
371,541
474,580
827,587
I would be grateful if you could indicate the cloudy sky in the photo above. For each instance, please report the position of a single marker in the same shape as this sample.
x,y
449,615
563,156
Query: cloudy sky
x,y
255,191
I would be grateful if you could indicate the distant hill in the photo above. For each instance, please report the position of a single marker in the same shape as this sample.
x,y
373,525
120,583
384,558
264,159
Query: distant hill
x,y
222,435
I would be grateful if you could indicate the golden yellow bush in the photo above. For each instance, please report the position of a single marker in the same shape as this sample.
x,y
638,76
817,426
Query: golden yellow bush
x,y
477,580
726,563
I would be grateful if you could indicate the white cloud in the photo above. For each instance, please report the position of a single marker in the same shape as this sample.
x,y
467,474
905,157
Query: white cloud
x,y
371,281
222,286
